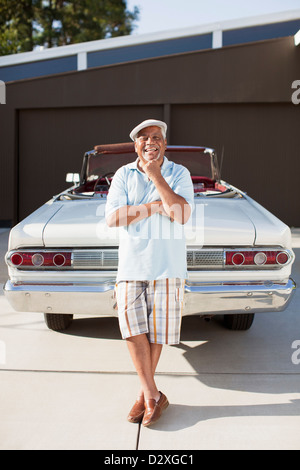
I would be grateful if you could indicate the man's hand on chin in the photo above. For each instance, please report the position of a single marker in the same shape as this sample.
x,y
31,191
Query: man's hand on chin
x,y
152,169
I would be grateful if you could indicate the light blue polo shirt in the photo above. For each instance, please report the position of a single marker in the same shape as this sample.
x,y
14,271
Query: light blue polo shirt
x,y
153,248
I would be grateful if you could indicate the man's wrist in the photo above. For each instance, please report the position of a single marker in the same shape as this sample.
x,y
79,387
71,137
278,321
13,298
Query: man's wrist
x,y
157,179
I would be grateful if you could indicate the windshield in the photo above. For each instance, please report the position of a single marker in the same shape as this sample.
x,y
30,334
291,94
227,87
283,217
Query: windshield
x,y
199,161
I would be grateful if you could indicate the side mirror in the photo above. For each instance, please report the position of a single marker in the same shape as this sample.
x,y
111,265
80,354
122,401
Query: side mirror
x,y
73,178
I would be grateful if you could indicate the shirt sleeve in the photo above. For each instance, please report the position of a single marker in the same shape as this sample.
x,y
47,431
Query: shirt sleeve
x,y
183,186
117,195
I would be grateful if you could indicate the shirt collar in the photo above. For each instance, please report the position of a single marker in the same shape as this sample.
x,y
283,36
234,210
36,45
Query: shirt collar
x,y
134,166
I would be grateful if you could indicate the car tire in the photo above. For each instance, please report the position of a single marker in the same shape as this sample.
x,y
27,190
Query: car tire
x,y
57,321
239,322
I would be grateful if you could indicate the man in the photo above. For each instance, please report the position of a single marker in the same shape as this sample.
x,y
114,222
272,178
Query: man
x,y
151,199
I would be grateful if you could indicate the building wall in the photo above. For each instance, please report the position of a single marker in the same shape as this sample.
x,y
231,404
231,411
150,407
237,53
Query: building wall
x,y
64,135
154,47
237,98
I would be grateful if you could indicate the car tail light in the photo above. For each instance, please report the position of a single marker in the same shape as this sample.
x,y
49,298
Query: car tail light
x,y
282,258
59,259
16,259
260,258
37,259
238,259
27,259
256,258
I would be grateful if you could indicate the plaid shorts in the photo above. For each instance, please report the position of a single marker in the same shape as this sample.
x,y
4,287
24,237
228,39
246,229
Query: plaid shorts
x,y
151,307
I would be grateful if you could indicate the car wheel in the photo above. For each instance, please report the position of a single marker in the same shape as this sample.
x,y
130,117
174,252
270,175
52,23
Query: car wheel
x,y
239,321
57,321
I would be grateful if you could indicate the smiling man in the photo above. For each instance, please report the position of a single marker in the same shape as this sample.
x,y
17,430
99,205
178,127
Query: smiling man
x,y
150,199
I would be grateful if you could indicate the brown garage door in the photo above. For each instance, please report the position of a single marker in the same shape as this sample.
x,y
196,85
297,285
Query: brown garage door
x,y
52,143
261,148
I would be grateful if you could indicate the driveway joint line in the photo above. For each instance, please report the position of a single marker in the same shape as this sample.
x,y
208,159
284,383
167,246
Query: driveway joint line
x,y
170,374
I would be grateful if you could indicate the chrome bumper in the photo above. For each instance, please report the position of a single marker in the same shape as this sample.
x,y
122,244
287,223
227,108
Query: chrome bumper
x,y
200,298
228,298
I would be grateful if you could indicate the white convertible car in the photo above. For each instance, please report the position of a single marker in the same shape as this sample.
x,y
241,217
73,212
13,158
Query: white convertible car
x,y
62,259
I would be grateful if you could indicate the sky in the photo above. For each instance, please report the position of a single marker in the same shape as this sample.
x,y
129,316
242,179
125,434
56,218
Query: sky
x,y
163,15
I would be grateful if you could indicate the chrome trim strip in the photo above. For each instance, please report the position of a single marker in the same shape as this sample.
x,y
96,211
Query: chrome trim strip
x,y
67,287
200,298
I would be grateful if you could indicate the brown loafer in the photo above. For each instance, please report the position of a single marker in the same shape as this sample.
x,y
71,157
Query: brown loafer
x,y
137,411
154,409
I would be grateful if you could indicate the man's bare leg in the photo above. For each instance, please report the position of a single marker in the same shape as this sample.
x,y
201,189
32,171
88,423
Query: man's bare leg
x,y
145,357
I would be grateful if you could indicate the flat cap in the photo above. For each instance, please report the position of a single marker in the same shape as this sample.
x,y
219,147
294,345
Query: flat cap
x,y
149,122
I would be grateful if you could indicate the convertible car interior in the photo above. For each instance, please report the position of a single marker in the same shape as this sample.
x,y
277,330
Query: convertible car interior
x,y
95,180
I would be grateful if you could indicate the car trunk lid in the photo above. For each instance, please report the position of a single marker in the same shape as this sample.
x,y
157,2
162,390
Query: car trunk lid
x,y
218,222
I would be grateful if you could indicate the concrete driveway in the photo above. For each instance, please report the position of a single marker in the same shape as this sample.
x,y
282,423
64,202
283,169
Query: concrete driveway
x,y
73,390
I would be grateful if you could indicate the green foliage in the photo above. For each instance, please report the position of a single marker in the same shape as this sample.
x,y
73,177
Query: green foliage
x,y
25,24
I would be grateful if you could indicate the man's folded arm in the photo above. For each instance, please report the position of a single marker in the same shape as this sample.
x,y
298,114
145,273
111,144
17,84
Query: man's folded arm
x,y
127,215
